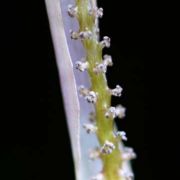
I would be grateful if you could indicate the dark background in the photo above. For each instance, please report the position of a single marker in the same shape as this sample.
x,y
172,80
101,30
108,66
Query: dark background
x,y
34,137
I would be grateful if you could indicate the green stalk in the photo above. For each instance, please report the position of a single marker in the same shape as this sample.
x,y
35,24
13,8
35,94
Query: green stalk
x,y
111,162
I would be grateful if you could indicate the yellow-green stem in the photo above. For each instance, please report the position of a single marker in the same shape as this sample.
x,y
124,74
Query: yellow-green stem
x,y
112,162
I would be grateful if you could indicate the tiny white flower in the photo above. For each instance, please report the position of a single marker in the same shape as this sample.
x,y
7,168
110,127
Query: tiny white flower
x,y
96,12
107,148
83,91
105,42
111,112
81,66
118,111
88,95
72,10
99,12
90,128
74,35
85,34
100,68
121,134
94,154
91,97
128,154
117,91
126,175
107,59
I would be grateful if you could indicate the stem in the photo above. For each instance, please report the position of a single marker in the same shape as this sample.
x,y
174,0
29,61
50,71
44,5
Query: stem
x,y
112,162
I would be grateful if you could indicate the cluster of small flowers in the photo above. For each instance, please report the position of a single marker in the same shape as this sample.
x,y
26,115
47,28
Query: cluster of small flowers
x,y
92,96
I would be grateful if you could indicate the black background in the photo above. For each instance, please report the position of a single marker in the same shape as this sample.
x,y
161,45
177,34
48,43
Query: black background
x,y
34,137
